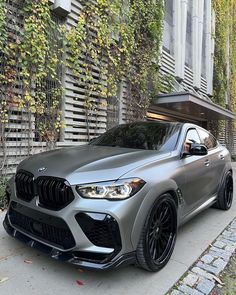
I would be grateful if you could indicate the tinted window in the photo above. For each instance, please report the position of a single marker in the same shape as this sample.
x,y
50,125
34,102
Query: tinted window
x,y
207,139
192,136
147,136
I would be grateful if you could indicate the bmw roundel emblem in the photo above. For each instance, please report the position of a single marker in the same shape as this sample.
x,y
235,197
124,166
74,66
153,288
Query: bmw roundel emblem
x,y
42,169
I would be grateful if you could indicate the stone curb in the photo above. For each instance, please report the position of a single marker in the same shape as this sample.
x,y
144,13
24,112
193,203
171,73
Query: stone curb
x,y
202,277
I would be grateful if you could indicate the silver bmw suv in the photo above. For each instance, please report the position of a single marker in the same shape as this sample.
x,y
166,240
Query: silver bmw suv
x,y
119,199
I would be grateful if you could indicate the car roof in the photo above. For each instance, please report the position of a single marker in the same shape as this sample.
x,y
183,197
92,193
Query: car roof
x,y
153,123
169,123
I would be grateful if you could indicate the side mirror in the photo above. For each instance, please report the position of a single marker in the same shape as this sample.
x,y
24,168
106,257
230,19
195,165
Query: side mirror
x,y
92,140
197,149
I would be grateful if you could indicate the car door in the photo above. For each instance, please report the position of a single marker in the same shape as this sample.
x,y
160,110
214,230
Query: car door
x,y
216,158
196,174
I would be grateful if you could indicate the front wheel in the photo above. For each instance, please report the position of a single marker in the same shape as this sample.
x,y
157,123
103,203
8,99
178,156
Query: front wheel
x,y
225,195
158,236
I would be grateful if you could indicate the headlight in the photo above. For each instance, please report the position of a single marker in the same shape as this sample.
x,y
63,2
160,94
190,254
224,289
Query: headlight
x,y
114,190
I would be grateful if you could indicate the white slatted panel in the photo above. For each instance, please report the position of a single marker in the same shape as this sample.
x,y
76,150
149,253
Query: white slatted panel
x,y
18,151
188,77
167,63
203,85
224,140
167,68
126,105
75,97
17,130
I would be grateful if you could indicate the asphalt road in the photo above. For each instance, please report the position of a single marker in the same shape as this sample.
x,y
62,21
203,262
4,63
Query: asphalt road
x,y
29,272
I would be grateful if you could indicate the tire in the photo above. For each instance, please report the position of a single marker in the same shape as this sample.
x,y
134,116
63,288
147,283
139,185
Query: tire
x,y
225,195
158,235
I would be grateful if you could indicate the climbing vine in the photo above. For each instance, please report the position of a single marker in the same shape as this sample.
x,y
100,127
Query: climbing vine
x,y
224,79
146,19
118,40
225,11
33,56
113,41
232,54
232,68
220,62
31,49
8,73
40,55
121,40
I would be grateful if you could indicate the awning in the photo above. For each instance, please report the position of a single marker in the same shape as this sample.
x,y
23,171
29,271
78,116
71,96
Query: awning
x,y
187,105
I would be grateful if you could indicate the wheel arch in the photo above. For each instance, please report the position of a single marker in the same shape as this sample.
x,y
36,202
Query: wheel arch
x,y
166,187
174,195
227,169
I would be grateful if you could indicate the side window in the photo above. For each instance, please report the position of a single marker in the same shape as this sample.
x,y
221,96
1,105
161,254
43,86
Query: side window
x,y
192,136
207,139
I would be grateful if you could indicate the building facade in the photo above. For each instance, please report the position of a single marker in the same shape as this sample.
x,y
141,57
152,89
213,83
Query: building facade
x,y
187,56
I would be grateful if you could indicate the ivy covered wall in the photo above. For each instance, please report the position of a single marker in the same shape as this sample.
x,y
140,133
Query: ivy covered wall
x,y
103,44
224,76
225,53
111,41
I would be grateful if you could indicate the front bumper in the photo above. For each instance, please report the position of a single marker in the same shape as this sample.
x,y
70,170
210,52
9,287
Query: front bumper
x,y
69,256
90,233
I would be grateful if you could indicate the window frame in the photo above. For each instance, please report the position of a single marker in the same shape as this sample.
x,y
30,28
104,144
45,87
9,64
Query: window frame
x,y
210,134
185,136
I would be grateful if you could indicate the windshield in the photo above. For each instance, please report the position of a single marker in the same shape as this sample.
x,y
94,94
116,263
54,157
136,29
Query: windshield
x,y
147,136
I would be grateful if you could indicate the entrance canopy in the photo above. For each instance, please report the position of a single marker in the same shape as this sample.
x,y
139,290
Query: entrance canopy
x,y
188,106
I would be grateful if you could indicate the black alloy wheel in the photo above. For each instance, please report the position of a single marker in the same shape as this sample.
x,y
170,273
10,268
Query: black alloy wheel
x,y
159,235
229,191
225,195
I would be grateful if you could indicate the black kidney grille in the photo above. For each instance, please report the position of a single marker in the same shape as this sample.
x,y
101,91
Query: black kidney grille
x,y
53,193
25,185
61,237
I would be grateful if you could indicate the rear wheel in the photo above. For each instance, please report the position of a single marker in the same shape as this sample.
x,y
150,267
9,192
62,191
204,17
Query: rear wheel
x,y
225,195
158,236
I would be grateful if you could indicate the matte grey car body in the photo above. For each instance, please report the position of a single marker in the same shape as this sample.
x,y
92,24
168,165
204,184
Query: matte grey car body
x,y
194,182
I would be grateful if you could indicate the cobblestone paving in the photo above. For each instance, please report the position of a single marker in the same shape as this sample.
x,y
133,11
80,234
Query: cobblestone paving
x,y
203,275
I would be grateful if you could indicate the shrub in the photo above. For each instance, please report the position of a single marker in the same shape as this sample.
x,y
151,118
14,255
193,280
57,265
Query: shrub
x,y
233,158
3,198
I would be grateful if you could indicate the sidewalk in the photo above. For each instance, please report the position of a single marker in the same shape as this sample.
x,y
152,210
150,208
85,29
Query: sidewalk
x,y
205,274
49,277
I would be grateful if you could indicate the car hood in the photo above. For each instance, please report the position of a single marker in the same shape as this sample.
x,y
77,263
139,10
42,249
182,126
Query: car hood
x,y
89,163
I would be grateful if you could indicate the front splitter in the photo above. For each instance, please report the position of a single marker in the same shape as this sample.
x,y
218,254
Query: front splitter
x,y
69,257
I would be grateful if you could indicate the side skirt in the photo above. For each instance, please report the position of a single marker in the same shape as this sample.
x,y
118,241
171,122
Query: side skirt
x,y
199,209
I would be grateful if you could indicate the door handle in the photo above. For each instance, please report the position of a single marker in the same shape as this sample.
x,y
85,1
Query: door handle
x,y
207,163
222,157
